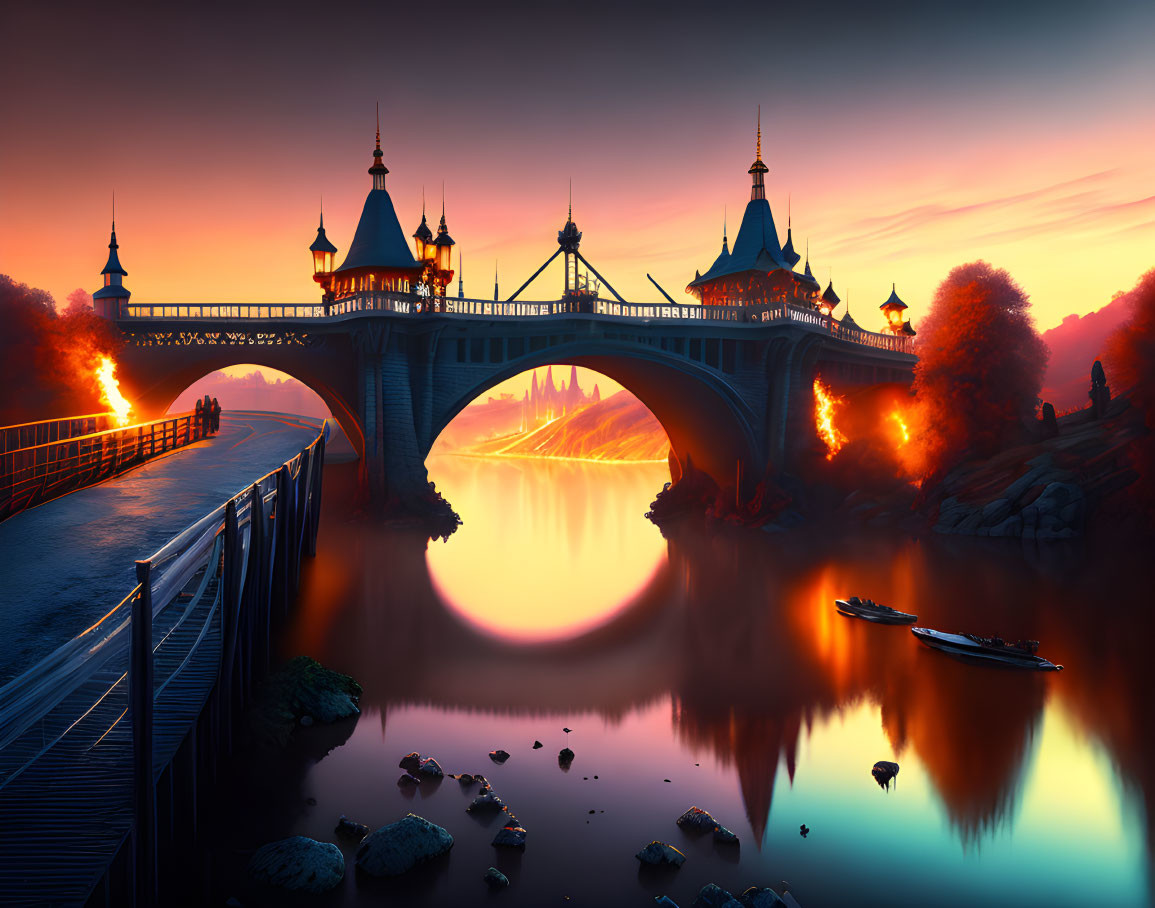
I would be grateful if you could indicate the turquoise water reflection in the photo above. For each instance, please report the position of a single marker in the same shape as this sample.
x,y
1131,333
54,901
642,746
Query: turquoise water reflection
x,y
731,676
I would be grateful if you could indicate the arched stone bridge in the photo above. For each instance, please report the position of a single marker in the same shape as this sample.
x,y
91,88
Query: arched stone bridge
x,y
730,385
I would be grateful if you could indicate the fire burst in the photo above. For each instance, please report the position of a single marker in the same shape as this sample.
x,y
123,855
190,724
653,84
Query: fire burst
x,y
110,391
824,406
903,429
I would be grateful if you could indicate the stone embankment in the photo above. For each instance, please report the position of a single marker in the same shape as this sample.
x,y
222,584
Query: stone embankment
x,y
1045,490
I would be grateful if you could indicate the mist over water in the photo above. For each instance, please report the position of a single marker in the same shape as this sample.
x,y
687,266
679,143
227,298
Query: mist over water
x,y
717,663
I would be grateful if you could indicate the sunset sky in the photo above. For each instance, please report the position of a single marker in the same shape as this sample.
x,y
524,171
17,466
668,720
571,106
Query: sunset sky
x,y
911,137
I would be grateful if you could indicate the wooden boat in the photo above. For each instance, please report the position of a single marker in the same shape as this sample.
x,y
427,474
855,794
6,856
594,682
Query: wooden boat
x,y
1021,654
872,611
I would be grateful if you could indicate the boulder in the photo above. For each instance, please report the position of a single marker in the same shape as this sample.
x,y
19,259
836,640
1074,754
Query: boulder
x,y
537,745
347,829
565,757
303,687
757,897
487,802
510,837
411,762
697,820
401,846
713,896
495,879
498,756
298,864
724,836
659,853
430,767
407,780
466,778
884,772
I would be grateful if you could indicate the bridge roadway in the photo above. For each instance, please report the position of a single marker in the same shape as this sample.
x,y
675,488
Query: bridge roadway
x,y
69,561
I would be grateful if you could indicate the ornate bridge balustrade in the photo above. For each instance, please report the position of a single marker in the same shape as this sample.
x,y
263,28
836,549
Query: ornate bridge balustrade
x,y
731,385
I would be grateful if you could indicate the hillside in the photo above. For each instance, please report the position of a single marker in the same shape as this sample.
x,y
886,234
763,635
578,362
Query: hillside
x,y
1075,344
619,428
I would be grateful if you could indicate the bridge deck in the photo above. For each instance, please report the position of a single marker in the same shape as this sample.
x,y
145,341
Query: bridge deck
x,y
69,561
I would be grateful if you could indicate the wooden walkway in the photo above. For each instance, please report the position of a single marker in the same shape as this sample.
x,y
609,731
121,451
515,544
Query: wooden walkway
x,y
76,824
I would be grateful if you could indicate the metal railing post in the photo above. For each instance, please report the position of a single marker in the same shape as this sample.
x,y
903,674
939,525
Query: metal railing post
x,y
140,686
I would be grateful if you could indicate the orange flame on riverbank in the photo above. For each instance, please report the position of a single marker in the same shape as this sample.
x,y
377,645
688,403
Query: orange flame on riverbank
x,y
110,390
825,404
903,430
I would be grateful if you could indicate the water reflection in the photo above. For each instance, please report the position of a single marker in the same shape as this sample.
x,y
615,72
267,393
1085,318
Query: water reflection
x,y
731,656
549,555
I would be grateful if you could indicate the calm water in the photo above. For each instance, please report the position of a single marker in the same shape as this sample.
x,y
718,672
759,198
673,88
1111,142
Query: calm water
x,y
720,665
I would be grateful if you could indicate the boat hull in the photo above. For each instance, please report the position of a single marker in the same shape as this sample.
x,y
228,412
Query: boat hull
x,y
959,645
866,613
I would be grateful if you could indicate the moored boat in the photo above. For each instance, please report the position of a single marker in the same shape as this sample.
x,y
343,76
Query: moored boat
x,y
872,611
1021,654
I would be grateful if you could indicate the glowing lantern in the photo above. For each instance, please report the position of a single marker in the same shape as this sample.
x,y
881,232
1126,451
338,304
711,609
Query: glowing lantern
x,y
323,251
893,309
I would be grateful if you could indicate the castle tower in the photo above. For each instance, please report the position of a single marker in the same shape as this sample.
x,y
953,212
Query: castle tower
x,y
111,299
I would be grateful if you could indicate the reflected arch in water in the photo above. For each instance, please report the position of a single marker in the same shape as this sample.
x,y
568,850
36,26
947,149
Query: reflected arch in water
x,y
550,548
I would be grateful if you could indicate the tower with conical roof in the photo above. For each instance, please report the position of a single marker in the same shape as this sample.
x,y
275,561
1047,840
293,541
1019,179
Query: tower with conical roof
x,y
379,259
893,309
111,299
569,238
757,271
323,252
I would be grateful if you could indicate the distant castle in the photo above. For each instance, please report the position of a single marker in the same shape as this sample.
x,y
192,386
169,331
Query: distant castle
x,y
546,402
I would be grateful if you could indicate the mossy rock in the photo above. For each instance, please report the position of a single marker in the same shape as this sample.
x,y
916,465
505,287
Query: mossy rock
x,y
303,687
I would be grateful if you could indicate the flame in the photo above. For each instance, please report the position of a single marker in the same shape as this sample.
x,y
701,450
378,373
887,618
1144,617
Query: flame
x,y
825,404
110,390
903,429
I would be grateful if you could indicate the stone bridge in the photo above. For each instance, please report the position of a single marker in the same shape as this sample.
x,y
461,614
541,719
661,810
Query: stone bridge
x,y
731,385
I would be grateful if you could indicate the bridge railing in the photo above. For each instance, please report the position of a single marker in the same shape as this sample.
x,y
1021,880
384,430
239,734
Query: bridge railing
x,y
82,743
42,471
370,302
30,434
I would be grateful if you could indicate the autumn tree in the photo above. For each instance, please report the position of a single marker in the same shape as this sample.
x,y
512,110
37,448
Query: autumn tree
x,y
1130,362
980,368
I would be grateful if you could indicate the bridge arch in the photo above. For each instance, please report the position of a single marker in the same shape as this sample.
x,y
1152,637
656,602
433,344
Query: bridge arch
x,y
154,377
703,415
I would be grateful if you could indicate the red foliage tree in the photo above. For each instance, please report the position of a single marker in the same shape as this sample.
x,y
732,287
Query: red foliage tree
x,y
1131,369
981,365
47,360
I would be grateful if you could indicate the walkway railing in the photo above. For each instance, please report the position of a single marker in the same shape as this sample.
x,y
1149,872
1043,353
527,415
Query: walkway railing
x,y
86,734
47,469
30,434
412,305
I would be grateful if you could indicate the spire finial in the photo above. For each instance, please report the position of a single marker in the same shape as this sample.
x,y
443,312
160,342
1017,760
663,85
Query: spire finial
x,y
114,211
571,198
378,125
322,209
758,145
423,201
723,223
442,200
789,211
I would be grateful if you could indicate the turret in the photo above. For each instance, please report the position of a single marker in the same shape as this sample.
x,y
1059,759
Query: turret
x,y
423,236
893,309
444,244
110,299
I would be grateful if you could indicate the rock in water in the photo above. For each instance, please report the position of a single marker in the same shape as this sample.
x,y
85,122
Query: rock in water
x,y
724,836
495,879
304,687
537,745
698,820
298,864
401,846
347,829
411,762
565,758
430,767
498,756
714,896
660,853
510,837
407,780
486,803
884,771
754,897
804,830
466,778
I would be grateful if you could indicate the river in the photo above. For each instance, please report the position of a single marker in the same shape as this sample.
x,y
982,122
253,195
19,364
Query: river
x,y
712,670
